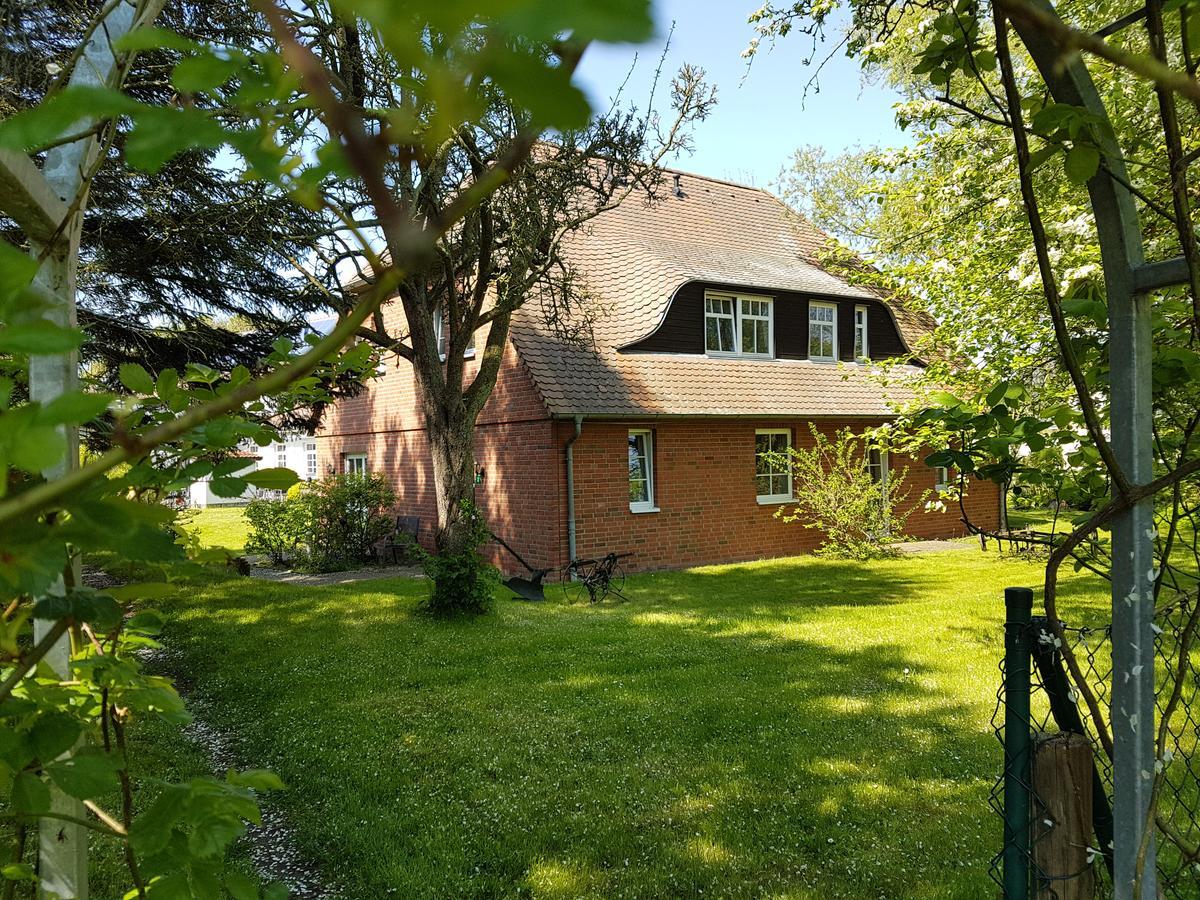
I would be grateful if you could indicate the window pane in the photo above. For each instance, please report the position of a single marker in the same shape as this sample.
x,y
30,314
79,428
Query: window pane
x,y
779,442
779,485
762,485
763,330
638,492
748,337
712,340
814,342
726,326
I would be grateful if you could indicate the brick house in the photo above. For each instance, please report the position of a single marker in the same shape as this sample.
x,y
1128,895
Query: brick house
x,y
717,337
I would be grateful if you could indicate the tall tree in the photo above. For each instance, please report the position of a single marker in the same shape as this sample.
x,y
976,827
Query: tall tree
x,y
168,258
1012,128
507,252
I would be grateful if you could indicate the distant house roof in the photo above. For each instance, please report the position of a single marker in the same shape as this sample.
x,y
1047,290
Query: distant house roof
x,y
634,259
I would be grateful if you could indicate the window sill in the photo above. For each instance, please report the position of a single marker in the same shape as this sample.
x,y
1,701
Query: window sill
x,y
637,510
774,501
732,354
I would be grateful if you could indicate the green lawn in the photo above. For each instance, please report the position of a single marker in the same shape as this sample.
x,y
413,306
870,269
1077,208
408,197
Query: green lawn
x,y
801,728
221,526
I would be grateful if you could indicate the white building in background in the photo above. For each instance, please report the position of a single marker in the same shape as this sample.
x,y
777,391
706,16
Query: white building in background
x,y
297,452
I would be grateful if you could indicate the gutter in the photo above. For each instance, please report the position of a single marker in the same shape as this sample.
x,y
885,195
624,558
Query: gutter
x,y
571,488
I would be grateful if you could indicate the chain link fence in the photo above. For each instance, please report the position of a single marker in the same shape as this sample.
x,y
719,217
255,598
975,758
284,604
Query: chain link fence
x,y
1054,795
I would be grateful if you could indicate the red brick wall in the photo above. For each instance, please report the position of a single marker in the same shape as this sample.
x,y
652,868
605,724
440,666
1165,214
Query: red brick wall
x,y
703,472
520,495
706,496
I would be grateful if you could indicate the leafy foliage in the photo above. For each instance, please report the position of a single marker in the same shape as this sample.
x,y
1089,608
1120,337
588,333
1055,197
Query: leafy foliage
x,y
262,107
836,494
461,580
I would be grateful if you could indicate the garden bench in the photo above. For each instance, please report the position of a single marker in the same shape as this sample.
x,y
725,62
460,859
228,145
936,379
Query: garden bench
x,y
401,542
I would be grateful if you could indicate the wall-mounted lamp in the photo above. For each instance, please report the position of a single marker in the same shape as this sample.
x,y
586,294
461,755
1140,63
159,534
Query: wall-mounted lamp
x,y
480,474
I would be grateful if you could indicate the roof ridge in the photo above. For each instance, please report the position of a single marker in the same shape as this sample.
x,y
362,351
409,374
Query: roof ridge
x,y
725,181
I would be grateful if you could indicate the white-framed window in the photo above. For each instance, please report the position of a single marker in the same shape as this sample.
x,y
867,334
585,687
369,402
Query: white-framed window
x,y
281,456
354,463
862,349
440,333
822,331
942,478
310,461
755,326
877,465
720,329
641,470
772,469
739,325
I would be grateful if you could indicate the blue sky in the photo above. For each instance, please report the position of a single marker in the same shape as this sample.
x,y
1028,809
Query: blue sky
x,y
761,114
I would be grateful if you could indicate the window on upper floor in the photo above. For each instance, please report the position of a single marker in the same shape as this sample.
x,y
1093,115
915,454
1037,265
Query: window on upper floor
x,y
738,325
822,331
862,350
441,333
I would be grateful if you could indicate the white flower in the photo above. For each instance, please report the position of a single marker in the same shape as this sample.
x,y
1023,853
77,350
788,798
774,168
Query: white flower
x,y
53,68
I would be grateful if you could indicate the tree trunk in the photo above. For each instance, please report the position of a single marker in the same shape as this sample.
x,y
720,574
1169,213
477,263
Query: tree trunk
x,y
457,586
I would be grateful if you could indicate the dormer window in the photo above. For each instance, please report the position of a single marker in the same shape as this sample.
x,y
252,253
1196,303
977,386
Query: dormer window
x,y
822,331
862,349
738,325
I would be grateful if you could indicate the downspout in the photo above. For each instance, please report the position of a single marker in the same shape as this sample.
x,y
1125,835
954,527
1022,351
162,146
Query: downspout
x,y
571,488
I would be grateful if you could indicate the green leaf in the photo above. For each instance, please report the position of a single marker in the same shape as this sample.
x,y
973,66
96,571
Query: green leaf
x,y
37,447
272,479
137,379
74,408
227,487
241,886
150,38
18,872
88,773
204,72
75,106
143,590
39,338
53,735
256,780
275,891
30,795
1081,163
163,132
151,831
16,270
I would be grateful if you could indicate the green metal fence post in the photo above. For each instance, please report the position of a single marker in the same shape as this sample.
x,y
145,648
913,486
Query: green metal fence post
x,y
1018,742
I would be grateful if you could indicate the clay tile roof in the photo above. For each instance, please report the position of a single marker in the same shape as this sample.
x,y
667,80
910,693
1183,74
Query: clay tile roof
x,y
634,258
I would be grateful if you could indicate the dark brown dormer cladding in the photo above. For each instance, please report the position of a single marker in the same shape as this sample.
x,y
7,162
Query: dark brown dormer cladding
x,y
682,329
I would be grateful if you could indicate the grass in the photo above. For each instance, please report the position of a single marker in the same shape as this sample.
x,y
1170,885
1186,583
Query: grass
x,y
799,728
221,526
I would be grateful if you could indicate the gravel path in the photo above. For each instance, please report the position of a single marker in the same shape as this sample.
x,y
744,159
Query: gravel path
x,y
306,579
915,547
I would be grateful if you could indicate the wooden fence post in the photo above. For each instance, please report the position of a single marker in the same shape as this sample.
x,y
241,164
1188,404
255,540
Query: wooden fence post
x,y
1062,827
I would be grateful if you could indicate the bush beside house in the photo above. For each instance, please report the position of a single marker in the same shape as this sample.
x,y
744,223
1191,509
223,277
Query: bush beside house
x,y
323,526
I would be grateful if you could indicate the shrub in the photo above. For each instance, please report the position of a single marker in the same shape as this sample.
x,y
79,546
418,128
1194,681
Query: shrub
x,y
323,526
463,582
274,530
836,494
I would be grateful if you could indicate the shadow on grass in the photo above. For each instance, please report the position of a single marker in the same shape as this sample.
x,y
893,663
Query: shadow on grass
x,y
740,731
